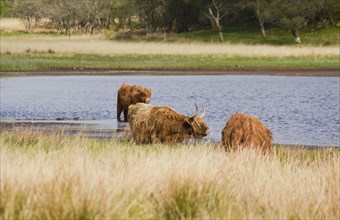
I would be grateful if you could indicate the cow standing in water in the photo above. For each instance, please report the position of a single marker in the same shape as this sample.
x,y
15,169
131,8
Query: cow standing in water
x,y
245,131
161,124
131,94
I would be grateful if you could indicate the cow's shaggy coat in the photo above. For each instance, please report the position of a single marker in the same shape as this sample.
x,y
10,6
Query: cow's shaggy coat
x,y
131,94
243,130
161,124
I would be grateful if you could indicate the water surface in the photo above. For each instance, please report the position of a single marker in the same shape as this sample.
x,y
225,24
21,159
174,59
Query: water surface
x,y
298,110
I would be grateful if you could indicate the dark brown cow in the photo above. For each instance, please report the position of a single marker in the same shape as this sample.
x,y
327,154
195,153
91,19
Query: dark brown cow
x,y
131,94
161,124
242,131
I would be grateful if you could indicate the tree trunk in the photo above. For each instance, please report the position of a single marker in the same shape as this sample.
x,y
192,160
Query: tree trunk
x,y
220,34
295,34
261,22
262,27
219,29
216,21
27,24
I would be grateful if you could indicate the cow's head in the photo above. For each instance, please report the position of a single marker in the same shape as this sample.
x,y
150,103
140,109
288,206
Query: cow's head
x,y
143,95
198,124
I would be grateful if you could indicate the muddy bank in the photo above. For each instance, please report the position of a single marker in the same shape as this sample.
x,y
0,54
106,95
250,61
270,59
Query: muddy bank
x,y
159,72
67,129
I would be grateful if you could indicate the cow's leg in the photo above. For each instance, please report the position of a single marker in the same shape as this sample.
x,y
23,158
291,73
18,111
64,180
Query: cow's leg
x,y
119,110
125,115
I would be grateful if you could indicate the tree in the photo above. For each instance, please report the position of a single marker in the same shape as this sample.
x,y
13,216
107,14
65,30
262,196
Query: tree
x,y
92,14
120,12
261,9
89,16
329,13
181,15
293,15
63,14
28,11
216,12
5,7
151,13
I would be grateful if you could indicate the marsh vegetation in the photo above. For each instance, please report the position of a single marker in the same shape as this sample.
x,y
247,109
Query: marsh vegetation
x,y
46,176
55,176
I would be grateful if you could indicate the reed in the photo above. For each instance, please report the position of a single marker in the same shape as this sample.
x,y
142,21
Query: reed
x,y
52,176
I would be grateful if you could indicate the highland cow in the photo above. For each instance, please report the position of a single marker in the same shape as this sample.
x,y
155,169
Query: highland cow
x,y
131,94
242,131
161,124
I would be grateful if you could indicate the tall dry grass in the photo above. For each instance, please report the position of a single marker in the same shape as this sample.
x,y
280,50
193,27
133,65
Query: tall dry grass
x,y
11,24
97,45
58,177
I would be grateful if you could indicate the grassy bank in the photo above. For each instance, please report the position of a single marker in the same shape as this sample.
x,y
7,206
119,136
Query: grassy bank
x,y
275,36
53,176
55,61
248,34
43,52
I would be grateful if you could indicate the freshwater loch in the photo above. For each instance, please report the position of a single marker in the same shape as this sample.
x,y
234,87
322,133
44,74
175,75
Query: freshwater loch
x,y
298,110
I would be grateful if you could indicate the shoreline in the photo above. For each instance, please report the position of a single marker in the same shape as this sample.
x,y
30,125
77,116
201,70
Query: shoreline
x,y
170,72
74,129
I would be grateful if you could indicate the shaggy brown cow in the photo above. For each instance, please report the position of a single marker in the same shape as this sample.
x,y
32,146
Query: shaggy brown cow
x,y
243,130
131,94
161,124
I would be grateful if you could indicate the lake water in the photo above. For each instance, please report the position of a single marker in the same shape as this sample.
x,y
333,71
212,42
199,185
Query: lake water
x,y
298,110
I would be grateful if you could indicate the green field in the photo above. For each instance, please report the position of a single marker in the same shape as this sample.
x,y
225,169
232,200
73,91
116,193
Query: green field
x,y
48,61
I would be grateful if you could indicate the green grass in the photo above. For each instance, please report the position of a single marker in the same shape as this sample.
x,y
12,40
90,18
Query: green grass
x,y
26,34
246,34
49,61
242,34
275,36
52,176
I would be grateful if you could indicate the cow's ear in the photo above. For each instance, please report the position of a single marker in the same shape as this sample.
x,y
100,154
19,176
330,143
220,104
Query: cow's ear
x,y
191,119
187,123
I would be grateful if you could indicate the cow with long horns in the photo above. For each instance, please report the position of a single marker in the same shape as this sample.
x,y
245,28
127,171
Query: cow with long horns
x,y
246,131
162,124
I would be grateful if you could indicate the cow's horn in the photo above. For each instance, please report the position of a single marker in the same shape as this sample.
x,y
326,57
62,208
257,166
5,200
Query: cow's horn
x,y
203,112
196,113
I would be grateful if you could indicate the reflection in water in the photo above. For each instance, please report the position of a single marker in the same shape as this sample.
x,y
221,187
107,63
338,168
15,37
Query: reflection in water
x,y
123,126
298,110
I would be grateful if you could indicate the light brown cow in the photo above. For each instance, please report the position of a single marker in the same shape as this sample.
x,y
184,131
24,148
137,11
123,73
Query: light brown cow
x,y
243,130
161,124
131,94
